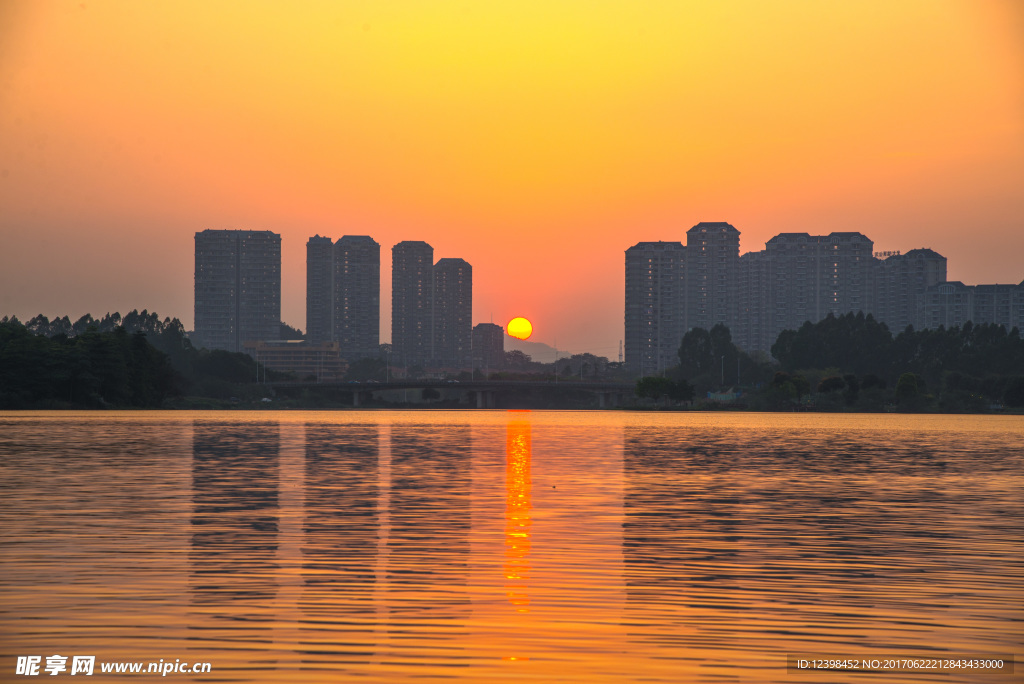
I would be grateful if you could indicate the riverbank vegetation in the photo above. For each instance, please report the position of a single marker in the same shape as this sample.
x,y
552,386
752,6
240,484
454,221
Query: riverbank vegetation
x,y
138,361
853,363
844,363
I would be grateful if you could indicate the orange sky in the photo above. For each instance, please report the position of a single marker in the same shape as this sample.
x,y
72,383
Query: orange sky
x,y
536,140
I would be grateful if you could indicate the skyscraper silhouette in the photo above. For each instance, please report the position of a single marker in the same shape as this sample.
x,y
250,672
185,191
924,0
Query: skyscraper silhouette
x,y
797,277
320,290
357,296
237,288
343,294
412,302
453,312
655,305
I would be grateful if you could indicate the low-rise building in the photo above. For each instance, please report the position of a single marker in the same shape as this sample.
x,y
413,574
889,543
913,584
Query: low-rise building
x,y
320,362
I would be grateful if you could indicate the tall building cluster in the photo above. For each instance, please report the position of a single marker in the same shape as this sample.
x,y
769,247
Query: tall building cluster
x,y
238,301
343,294
672,288
431,308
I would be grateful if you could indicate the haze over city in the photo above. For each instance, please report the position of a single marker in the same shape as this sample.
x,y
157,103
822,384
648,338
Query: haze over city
x,y
535,141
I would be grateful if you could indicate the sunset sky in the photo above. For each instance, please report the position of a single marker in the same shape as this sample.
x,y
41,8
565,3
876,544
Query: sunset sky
x,y
536,140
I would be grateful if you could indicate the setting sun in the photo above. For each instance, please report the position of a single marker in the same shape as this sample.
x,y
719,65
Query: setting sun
x,y
520,328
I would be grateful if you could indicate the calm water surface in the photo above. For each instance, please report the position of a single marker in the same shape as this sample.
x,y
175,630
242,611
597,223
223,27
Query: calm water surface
x,y
492,545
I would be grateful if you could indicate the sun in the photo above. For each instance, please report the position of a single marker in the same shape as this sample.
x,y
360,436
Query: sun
x,y
520,328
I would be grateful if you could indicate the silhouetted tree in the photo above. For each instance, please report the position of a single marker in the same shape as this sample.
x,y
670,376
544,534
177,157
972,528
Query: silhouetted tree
x,y
1014,395
290,333
831,384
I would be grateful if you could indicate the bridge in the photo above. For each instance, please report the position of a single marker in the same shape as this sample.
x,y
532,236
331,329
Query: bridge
x,y
608,393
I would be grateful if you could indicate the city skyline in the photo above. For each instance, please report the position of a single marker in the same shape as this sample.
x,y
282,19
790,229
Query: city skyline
x,y
535,142
670,289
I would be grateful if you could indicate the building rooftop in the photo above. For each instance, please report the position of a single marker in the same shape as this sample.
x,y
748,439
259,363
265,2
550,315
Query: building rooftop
x,y
659,245
451,261
713,225
924,252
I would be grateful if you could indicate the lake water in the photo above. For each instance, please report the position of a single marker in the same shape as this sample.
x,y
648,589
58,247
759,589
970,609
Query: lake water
x,y
477,546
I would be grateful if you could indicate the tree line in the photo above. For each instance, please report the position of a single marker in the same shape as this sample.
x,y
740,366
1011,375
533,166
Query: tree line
x,y
854,361
138,360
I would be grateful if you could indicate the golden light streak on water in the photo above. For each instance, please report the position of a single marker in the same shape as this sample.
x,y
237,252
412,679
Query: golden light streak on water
x,y
517,514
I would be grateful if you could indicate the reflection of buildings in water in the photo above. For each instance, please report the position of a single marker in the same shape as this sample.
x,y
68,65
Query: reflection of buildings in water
x,y
679,533
233,554
341,519
340,529
430,520
517,513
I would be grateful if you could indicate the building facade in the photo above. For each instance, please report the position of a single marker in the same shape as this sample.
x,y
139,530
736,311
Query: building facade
x,y
808,277
343,294
655,315
796,278
712,264
753,329
320,362
488,347
954,304
237,288
356,300
319,290
453,314
412,303
901,281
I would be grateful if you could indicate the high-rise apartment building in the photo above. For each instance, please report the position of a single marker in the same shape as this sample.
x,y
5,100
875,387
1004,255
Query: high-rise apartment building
x,y
752,330
948,304
901,281
488,346
955,304
847,282
343,294
796,278
712,263
319,290
412,303
655,314
453,313
237,288
811,276
357,296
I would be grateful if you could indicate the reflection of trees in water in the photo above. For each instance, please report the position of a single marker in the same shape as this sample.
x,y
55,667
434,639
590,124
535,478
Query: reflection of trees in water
x,y
233,554
430,518
734,537
678,533
340,535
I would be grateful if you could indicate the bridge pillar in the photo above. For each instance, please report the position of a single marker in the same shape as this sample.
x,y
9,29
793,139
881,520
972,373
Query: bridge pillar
x,y
355,398
602,399
490,399
480,399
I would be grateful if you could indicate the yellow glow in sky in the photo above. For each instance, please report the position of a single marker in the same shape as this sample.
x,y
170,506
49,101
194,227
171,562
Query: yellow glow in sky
x,y
556,134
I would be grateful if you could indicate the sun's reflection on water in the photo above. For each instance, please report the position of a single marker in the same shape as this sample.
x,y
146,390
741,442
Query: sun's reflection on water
x,y
517,513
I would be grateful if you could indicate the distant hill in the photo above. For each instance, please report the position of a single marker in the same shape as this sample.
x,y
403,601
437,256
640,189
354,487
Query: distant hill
x,y
538,351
